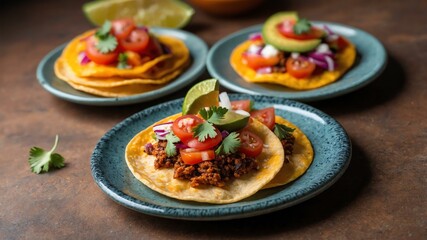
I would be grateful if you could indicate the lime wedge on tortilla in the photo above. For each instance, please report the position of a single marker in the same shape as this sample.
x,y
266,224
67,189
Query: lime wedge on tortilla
x,y
153,13
203,94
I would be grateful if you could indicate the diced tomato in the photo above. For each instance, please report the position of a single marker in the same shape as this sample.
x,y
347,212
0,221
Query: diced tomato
x,y
96,56
183,126
137,41
251,144
133,58
286,28
339,44
241,105
256,61
209,143
193,156
266,116
121,28
300,67
153,49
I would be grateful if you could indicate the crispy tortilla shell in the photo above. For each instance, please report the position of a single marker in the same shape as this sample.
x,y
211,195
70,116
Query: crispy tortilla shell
x,y
162,181
64,72
300,161
345,59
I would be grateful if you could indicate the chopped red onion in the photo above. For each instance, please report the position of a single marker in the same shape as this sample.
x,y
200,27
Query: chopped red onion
x,y
181,145
149,148
143,28
161,130
328,30
255,36
330,63
83,58
224,134
321,63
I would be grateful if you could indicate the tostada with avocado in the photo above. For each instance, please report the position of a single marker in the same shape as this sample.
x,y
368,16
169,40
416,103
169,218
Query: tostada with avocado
x,y
292,52
216,150
120,59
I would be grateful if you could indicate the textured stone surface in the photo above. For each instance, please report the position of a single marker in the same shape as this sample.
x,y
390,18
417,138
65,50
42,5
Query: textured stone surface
x,y
382,194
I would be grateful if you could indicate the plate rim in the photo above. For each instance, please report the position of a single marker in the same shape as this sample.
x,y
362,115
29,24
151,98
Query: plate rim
x,y
305,95
274,204
197,68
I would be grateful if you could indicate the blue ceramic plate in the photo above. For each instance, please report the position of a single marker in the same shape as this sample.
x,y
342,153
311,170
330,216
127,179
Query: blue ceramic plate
x,y
370,62
49,81
332,148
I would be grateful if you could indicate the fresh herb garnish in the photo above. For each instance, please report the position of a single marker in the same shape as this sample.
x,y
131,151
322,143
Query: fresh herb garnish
x,y
230,144
204,130
282,131
106,41
123,61
213,114
41,160
170,145
302,26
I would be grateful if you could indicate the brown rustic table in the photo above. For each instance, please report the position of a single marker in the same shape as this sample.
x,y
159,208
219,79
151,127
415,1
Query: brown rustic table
x,y
382,195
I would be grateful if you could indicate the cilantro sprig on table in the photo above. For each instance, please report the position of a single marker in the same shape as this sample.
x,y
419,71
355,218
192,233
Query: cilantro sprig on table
x,y
106,41
41,160
302,26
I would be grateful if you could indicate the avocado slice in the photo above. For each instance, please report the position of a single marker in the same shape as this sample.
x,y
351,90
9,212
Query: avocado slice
x,y
232,121
272,36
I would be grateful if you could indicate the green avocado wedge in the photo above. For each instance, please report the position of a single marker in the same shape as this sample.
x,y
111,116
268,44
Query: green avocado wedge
x,y
272,36
232,121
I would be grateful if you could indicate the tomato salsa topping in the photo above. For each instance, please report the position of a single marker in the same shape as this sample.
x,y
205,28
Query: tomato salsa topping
x,y
123,43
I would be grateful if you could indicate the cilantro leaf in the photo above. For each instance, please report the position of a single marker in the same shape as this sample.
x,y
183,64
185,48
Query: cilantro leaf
x,y
204,130
123,61
213,114
40,160
106,41
106,44
170,146
282,131
104,30
230,144
302,26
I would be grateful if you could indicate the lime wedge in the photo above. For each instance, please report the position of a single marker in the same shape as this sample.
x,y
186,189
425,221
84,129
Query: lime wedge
x,y
203,94
153,13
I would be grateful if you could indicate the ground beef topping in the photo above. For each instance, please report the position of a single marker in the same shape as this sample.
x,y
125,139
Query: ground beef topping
x,y
288,146
214,172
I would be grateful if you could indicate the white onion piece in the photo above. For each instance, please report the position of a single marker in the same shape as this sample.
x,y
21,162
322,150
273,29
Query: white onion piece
x,y
295,55
224,100
242,112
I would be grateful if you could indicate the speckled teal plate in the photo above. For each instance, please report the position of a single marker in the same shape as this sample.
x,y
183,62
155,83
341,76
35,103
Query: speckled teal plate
x,y
49,81
332,148
370,62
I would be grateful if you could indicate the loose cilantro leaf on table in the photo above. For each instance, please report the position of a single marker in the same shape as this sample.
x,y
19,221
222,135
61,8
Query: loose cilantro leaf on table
x,y
204,130
106,41
170,146
282,131
41,160
302,26
230,144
